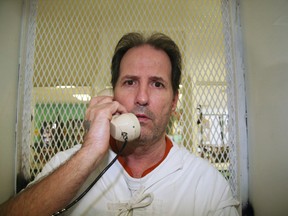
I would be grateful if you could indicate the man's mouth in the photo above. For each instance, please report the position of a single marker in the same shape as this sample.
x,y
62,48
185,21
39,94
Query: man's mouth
x,y
142,117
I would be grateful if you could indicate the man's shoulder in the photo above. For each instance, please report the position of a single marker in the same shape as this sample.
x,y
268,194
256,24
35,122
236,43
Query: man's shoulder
x,y
191,162
58,159
63,156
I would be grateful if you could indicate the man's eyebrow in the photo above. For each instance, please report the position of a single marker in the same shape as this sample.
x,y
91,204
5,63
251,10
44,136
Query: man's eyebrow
x,y
157,78
152,78
129,77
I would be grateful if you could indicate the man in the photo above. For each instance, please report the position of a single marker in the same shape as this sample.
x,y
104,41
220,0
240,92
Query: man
x,y
153,175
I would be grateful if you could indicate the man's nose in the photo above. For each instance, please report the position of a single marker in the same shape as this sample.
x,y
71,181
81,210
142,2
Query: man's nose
x,y
142,97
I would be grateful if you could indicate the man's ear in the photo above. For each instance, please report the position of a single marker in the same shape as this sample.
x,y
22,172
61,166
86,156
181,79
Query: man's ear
x,y
175,101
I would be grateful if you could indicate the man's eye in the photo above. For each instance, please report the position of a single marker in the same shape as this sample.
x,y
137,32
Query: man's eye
x,y
158,85
129,82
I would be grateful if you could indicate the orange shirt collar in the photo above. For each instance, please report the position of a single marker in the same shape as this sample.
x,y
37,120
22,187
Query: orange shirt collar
x,y
169,145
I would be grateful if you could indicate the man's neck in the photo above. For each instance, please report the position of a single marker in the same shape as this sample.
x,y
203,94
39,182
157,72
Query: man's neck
x,y
139,158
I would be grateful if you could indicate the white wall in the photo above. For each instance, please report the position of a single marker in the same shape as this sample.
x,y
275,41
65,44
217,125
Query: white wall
x,y
10,26
265,37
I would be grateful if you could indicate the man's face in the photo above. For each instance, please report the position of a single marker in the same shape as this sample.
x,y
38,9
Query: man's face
x,y
144,87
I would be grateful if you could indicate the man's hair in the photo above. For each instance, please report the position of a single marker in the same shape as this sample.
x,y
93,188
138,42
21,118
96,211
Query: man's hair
x,y
158,41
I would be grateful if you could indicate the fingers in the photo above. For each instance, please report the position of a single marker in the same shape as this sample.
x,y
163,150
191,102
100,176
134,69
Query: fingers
x,y
100,99
104,105
97,119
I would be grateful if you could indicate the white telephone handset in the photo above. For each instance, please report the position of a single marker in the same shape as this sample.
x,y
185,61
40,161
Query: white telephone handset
x,y
125,123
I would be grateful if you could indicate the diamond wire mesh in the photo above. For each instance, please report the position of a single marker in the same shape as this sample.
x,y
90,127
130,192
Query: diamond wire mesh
x,y
73,46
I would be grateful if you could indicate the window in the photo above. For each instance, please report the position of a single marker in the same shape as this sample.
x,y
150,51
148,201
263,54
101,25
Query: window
x,y
66,60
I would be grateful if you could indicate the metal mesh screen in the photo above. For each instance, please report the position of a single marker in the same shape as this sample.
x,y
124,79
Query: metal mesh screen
x,y
69,49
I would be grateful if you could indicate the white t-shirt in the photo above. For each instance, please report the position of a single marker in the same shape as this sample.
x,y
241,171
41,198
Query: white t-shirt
x,y
181,185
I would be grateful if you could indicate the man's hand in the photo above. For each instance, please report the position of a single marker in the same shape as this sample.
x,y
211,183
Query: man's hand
x,y
97,126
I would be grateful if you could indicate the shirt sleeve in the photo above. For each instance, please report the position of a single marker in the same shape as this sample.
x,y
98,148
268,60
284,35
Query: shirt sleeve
x,y
226,208
227,205
217,198
56,161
